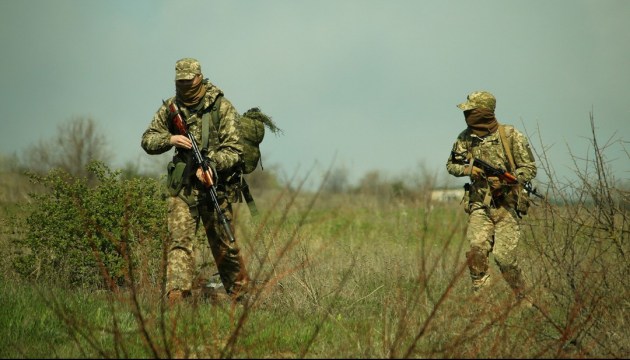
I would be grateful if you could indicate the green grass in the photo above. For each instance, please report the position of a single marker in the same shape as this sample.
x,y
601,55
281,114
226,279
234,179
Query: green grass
x,y
29,328
346,277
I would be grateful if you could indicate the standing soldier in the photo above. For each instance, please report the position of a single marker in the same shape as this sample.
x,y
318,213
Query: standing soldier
x,y
189,201
493,223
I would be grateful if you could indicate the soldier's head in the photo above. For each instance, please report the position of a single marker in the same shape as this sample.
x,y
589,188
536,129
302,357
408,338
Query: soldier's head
x,y
479,100
189,84
187,69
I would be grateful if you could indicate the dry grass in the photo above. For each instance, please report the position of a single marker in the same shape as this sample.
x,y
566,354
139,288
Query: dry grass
x,y
348,276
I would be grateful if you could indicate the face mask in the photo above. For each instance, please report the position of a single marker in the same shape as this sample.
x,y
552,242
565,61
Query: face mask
x,y
190,92
481,121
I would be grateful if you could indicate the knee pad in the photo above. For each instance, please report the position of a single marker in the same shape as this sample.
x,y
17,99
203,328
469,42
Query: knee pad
x,y
512,275
477,261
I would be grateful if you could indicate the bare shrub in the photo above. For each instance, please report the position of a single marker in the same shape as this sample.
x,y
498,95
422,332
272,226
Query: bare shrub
x,y
356,274
580,258
77,142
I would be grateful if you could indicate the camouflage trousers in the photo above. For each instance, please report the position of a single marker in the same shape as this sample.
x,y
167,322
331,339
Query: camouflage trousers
x,y
182,227
495,230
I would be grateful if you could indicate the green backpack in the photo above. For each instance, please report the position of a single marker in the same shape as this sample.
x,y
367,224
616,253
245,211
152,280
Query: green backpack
x,y
253,123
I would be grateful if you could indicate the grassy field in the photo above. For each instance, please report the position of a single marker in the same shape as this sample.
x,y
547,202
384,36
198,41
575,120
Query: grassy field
x,y
362,276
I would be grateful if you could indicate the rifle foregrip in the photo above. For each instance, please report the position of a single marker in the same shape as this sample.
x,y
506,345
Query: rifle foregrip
x,y
206,174
510,177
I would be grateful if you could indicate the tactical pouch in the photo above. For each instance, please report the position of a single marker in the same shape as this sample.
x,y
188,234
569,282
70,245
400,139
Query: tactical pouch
x,y
466,198
230,187
522,201
175,178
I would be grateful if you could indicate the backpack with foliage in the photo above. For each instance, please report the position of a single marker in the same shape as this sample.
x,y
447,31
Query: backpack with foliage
x,y
252,126
253,123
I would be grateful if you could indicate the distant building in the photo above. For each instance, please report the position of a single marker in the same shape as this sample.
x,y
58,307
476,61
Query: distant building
x,y
446,195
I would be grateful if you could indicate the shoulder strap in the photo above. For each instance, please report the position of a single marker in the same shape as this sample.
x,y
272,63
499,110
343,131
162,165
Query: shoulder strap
x,y
214,112
205,124
249,199
507,147
468,142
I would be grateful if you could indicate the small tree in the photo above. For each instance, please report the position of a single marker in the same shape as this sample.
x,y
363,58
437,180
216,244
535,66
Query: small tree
x,y
77,142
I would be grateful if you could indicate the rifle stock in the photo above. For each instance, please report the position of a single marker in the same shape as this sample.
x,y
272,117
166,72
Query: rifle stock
x,y
207,174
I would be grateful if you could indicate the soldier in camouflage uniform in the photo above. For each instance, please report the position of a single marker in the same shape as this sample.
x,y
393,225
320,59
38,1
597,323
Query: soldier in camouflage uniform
x,y
493,224
188,204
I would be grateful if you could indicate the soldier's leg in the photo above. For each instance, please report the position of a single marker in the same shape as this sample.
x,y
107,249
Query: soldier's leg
x,y
507,237
227,255
480,236
180,261
205,267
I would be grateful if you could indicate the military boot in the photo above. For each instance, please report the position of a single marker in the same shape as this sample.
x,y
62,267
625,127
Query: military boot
x,y
480,282
177,296
514,278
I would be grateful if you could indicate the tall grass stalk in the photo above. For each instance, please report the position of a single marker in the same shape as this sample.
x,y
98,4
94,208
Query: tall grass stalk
x,y
342,275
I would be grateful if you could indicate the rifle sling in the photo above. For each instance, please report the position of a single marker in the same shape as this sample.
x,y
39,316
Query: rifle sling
x,y
506,148
247,195
205,126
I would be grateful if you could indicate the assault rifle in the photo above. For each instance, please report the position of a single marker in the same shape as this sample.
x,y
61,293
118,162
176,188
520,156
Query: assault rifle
x,y
181,127
490,170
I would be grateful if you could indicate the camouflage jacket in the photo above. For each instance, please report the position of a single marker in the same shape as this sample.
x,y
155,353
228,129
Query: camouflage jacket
x,y
490,149
224,153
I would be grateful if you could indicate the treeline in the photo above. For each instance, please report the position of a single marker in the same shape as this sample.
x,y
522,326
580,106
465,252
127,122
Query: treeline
x,y
80,141
375,264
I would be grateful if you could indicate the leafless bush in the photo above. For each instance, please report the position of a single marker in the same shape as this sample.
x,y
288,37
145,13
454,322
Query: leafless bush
x,y
77,142
581,259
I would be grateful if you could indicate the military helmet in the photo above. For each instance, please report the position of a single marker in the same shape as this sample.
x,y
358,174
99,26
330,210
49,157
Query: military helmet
x,y
187,68
479,99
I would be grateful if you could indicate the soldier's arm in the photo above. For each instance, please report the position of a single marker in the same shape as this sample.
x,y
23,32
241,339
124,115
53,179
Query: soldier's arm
x,y
156,138
229,150
456,168
524,160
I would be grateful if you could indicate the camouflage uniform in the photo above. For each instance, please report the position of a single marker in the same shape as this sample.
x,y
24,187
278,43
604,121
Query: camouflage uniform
x,y
191,204
493,224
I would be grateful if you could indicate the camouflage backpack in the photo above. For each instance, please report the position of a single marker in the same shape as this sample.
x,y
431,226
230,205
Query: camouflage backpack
x,y
252,126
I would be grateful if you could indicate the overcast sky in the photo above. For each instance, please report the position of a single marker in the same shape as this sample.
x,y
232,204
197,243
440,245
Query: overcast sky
x,y
365,85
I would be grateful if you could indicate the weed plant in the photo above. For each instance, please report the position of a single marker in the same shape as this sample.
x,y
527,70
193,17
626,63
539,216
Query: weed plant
x,y
335,276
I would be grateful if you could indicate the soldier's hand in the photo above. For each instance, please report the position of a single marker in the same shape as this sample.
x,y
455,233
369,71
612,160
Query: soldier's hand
x,y
474,172
181,141
494,182
205,178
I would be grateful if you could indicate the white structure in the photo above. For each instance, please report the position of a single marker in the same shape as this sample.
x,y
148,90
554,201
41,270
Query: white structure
x,y
446,195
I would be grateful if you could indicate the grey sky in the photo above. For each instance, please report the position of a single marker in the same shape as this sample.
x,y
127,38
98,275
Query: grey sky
x,y
371,85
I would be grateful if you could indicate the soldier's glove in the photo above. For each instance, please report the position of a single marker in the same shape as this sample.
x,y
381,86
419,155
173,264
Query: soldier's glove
x,y
212,166
494,182
213,173
474,172
520,176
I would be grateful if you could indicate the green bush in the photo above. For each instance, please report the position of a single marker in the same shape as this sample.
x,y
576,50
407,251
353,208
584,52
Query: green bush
x,y
94,233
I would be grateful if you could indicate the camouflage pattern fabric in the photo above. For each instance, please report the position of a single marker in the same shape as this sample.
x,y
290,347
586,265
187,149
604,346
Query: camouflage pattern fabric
x,y
156,138
187,68
182,219
493,225
479,99
495,230
490,149
205,267
180,271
